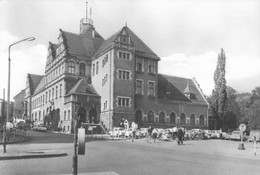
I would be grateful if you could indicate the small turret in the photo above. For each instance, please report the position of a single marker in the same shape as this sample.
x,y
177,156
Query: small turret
x,y
86,23
187,91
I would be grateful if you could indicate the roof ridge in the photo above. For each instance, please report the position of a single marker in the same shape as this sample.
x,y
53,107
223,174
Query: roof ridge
x,y
174,76
70,32
34,74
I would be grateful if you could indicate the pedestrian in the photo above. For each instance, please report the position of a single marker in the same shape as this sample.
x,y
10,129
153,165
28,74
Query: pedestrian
x,y
155,134
121,123
149,134
180,135
126,124
174,132
134,128
60,127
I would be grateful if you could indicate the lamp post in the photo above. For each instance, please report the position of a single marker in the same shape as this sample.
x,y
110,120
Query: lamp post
x,y
8,88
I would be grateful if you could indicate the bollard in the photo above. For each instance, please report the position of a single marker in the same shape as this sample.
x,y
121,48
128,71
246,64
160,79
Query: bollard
x,y
255,145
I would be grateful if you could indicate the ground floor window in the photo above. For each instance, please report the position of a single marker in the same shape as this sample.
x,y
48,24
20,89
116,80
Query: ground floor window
x,y
150,116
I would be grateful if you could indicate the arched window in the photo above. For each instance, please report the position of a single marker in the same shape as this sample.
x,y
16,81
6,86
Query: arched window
x,y
150,116
201,120
64,115
183,118
68,114
138,116
82,69
172,118
192,119
161,117
71,67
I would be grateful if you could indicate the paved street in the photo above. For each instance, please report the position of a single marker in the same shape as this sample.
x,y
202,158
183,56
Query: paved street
x,y
124,157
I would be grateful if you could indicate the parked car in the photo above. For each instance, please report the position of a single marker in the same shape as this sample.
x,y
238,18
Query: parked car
x,y
20,125
42,127
226,135
215,134
19,121
235,135
143,132
254,133
117,132
207,133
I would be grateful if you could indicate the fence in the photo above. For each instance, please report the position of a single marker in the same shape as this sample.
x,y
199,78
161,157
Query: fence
x,y
13,135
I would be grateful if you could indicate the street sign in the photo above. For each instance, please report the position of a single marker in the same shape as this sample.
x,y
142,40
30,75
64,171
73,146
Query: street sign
x,y
242,127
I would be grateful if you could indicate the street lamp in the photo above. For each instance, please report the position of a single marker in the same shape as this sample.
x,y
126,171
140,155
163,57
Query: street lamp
x,y
9,70
8,88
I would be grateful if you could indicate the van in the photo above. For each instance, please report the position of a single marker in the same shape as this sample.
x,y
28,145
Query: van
x,y
255,133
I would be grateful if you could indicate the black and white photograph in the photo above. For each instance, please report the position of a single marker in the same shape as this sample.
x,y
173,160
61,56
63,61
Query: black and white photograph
x,y
129,87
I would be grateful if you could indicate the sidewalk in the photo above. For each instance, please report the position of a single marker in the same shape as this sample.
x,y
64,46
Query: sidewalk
x,y
10,155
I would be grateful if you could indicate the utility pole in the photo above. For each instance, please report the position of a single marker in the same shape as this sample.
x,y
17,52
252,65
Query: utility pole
x,y
4,122
75,156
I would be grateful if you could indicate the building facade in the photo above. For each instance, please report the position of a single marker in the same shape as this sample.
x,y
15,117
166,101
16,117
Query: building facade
x,y
19,105
102,81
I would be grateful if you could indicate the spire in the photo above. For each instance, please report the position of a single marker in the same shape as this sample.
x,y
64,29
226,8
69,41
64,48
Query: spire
x,y
86,23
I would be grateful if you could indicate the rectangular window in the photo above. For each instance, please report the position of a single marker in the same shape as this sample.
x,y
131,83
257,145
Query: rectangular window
x,y
97,68
151,67
52,93
151,88
139,65
43,100
93,72
60,90
124,74
139,87
49,95
56,92
123,101
46,97
124,55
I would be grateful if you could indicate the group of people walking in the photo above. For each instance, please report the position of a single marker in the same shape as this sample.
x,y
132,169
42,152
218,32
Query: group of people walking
x,y
152,133
178,134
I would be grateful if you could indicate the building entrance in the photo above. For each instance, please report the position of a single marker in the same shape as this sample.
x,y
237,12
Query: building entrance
x,y
93,116
82,115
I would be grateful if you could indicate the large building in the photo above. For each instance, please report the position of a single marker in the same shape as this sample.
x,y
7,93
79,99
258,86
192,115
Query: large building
x,y
103,81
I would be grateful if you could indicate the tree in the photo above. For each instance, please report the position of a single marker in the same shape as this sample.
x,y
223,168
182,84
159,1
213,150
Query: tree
x,y
232,114
219,93
249,105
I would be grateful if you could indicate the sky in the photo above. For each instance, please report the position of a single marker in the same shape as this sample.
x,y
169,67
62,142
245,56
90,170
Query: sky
x,y
187,35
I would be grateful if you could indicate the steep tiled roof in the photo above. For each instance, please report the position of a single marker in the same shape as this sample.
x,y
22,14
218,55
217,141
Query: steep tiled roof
x,y
34,80
140,47
82,44
178,86
70,83
107,43
168,91
41,86
83,88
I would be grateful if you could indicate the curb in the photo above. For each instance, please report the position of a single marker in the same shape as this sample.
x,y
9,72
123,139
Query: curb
x,y
33,154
